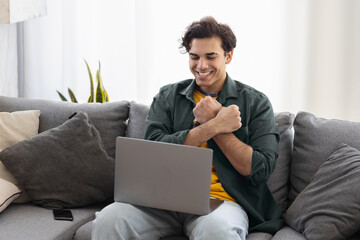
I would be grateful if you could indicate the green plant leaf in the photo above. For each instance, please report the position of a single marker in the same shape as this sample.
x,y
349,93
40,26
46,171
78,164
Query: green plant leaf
x,y
62,97
106,96
104,92
90,99
72,96
98,94
99,90
92,94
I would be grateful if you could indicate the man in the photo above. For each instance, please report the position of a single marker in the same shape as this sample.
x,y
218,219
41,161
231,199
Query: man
x,y
234,120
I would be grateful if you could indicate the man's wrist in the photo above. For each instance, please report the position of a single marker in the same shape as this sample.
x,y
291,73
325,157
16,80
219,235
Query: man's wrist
x,y
213,126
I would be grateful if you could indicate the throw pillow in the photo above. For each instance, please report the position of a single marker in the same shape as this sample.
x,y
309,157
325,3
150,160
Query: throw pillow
x,y
8,193
15,127
314,140
63,167
329,207
109,118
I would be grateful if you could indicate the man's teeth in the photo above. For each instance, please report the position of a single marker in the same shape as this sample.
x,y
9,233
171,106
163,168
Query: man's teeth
x,y
204,73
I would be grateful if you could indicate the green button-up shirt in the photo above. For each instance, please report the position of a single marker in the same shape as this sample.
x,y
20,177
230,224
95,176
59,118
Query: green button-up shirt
x,y
170,119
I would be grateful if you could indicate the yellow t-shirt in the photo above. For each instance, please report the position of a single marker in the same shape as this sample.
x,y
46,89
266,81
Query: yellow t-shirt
x,y
216,190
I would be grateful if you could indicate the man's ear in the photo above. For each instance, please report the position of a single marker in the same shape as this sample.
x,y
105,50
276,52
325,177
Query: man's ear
x,y
228,56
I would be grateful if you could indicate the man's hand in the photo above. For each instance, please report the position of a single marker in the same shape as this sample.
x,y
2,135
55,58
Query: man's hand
x,y
228,119
219,125
207,108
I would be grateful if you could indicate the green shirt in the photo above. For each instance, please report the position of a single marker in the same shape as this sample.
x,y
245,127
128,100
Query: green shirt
x,y
170,119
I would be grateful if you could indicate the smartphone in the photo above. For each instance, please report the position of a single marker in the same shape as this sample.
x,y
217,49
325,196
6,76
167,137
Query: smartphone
x,y
63,214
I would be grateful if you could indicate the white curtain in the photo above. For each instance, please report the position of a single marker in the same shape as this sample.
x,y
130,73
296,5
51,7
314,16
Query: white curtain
x,y
8,60
287,49
322,72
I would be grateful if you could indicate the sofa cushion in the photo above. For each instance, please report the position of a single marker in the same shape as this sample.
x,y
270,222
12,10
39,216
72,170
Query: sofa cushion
x,y
30,222
287,233
258,236
8,193
329,207
314,140
66,166
15,127
278,182
137,115
84,232
109,118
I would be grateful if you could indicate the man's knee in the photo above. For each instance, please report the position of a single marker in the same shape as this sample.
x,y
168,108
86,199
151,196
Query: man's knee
x,y
111,213
218,229
229,221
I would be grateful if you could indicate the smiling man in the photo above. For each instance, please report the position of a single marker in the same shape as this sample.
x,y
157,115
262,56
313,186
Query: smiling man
x,y
236,121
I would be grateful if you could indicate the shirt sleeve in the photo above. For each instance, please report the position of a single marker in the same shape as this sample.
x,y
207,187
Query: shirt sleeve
x,y
160,122
264,139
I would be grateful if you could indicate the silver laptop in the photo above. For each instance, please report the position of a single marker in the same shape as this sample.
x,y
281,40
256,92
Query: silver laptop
x,y
163,175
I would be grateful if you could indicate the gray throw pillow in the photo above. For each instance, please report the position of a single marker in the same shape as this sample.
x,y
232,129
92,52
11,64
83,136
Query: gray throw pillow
x,y
278,182
314,140
63,167
109,118
329,207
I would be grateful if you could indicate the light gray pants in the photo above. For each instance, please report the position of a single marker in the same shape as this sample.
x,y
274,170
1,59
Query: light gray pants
x,y
128,222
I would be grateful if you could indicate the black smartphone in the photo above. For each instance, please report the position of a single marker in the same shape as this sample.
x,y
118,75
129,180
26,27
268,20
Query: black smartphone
x,y
63,214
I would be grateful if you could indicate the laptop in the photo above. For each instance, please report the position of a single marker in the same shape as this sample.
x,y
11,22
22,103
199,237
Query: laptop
x,y
163,175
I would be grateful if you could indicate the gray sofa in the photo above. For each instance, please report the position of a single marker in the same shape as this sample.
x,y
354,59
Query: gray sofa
x,y
313,181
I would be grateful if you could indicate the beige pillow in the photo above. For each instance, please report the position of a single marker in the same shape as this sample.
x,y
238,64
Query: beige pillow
x,y
16,127
8,193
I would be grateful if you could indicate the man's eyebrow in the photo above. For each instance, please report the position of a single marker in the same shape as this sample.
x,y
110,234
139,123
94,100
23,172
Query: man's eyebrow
x,y
207,54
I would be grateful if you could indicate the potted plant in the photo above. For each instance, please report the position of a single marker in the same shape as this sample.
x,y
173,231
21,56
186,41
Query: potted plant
x,y
96,95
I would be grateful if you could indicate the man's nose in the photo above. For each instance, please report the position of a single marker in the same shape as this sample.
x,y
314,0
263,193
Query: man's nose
x,y
202,64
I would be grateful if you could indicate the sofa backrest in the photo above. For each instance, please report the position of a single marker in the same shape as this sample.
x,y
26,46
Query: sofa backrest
x,y
137,116
278,182
109,118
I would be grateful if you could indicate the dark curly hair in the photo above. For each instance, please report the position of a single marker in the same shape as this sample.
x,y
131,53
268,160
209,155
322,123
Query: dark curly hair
x,y
208,27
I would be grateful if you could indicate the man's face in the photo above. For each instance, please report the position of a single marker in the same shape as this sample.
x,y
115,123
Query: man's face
x,y
207,62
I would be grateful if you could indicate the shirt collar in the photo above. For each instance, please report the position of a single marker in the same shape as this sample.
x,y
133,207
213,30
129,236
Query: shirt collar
x,y
189,91
229,90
